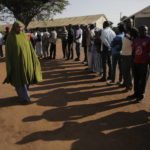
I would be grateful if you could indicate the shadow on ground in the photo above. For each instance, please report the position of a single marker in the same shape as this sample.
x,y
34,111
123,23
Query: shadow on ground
x,y
118,131
9,101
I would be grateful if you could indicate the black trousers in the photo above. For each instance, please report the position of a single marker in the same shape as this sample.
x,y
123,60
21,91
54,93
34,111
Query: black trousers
x,y
1,51
70,50
106,60
85,53
140,73
53,51
64,48
127,66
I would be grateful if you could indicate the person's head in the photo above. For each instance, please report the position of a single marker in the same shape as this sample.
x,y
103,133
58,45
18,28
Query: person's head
x,y
92,26
143,31
17,27
129,23
106,24
121,28
52,29
78,26
7,29
70,26
97,32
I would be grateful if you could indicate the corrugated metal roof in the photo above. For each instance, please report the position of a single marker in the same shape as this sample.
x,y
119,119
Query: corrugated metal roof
x,y
91,19
145,12
66,21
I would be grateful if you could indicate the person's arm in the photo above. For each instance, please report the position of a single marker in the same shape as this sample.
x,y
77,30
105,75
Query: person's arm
x,y
133,48
8,50
78,36
104,40
149,53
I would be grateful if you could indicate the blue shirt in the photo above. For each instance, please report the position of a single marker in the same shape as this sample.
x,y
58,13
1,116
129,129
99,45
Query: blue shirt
x,y
116,44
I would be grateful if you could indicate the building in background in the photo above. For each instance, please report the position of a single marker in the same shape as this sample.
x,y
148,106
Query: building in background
x,y
141,17
59,23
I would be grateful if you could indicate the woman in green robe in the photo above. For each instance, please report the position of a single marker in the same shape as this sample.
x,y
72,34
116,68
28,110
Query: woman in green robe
x,y
22,64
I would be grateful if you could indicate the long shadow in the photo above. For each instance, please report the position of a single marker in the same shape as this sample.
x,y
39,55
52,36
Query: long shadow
x,y
68,113
61,96
57,73
58,64
67,78
118,131
9,101
2,60
64,73
62,85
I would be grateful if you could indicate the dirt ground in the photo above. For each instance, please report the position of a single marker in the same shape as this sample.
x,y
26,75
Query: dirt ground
x,y
72,111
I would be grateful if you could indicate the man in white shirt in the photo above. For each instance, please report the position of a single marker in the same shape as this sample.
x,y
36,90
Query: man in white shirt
x,y
106,37
53,39
1,44
78,42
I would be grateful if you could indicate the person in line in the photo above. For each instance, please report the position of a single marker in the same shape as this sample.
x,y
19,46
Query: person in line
x,y
84,43
22,65
64,37
53,39
7,30
141,59
38,45
70,40
116,46
45,43
97,62
92,48
78,40
1,45
90,42
107,36
126,54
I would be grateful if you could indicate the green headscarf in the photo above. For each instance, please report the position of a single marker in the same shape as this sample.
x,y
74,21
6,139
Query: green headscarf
x,y
22,64
16,23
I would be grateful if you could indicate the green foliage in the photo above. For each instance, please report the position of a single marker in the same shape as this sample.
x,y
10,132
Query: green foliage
x,y
27,10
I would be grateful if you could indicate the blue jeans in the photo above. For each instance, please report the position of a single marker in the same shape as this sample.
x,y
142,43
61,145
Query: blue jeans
x,y
116,59
23,92
78,50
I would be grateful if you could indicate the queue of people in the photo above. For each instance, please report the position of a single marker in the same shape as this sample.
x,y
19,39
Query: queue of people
x,y
128,48
104,49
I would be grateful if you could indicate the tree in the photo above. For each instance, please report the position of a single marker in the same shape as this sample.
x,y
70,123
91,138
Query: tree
x,y
27,10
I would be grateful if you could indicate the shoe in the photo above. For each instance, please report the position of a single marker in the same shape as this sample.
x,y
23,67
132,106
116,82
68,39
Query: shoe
x,y
119,83
133,96
86,69
139,98
77,59
103,79
111,83
129,88
85,63
125,90
108,78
